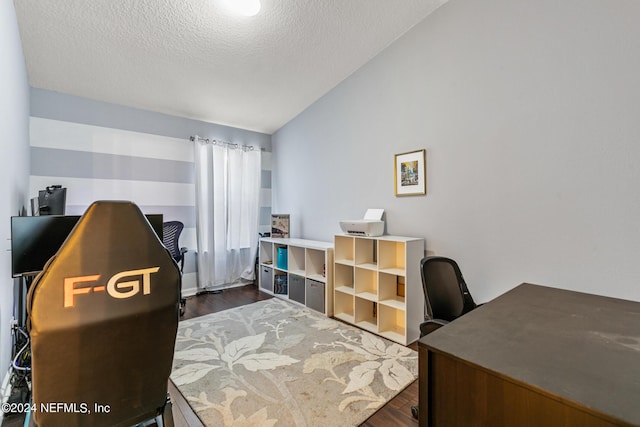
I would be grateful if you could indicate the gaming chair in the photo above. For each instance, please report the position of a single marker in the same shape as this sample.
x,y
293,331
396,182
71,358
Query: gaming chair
x,y
103,317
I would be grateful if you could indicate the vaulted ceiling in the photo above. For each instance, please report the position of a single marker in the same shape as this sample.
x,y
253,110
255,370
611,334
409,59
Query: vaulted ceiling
x,y
195,59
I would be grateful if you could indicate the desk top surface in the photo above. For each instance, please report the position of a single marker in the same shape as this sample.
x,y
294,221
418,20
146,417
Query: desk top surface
x,y
580,347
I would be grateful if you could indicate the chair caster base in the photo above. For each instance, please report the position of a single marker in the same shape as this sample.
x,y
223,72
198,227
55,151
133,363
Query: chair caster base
x,y
414,412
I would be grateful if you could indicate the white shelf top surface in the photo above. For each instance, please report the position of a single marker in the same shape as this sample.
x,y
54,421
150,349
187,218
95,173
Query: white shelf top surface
x,y
383,237
303,243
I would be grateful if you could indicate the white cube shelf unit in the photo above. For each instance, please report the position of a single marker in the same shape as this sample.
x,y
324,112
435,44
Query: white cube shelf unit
x,y
298,270
377,285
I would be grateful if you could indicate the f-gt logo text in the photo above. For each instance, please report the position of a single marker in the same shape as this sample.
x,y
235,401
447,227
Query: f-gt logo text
x,y
114,287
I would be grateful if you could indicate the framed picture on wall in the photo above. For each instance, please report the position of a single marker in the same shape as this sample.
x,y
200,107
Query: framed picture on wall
x,y
410,173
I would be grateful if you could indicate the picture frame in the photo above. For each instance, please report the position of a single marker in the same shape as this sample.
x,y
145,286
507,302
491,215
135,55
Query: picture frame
x,y
280,225
410,173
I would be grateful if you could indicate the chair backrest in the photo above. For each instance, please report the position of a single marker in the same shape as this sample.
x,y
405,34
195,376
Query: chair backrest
x,y
445,290
170,235
103,317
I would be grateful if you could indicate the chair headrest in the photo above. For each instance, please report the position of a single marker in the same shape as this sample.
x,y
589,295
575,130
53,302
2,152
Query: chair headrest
x,y
111,265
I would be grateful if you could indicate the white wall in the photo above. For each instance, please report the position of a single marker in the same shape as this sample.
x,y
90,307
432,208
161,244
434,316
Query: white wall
x,y
14,162
529,114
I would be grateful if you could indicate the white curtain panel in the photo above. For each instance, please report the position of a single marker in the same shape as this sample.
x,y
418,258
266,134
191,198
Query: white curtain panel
x,y
227,210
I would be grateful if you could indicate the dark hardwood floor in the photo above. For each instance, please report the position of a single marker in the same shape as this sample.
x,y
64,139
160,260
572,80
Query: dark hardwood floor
x,y
395,413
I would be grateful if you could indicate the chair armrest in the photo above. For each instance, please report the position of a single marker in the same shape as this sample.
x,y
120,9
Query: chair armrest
x,y
431,325
183,251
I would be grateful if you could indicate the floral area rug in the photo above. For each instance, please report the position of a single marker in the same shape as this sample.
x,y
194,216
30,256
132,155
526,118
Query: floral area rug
x,y
275,363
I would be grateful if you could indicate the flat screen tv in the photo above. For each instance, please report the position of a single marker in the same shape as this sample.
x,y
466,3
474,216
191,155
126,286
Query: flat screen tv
x,y
35,239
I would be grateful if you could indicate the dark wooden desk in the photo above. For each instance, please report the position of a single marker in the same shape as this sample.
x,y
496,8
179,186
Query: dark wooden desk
x,y
535,356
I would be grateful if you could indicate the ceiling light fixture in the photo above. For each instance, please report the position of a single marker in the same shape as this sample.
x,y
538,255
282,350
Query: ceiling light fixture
x,y
242,7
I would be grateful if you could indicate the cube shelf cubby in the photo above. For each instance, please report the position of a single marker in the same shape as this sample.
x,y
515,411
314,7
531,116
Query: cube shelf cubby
x,y
316,266
365,255
343,278
393,323
391,290
343,247
343,306
296,260
366,314
393,257
378,286
366,284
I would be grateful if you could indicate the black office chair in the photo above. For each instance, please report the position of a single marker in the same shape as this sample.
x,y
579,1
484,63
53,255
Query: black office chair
x,y
103,317
170,236
446,294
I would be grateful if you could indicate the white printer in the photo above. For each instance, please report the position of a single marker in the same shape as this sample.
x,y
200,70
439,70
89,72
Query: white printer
x,y
371,225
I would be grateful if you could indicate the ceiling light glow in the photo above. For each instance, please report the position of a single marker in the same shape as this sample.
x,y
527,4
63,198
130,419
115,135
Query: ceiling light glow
x,y
242,7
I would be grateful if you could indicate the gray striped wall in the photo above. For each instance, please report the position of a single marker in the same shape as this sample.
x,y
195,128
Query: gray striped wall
x,y
265,194
97,162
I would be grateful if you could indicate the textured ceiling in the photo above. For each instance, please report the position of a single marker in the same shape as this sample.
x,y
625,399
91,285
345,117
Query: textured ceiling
x,y
190,58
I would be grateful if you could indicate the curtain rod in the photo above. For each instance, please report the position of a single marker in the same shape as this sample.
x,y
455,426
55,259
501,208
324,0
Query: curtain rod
x,y
218,142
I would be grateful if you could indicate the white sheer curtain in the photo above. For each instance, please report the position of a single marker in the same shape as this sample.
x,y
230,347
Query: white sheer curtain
x,y
227,210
